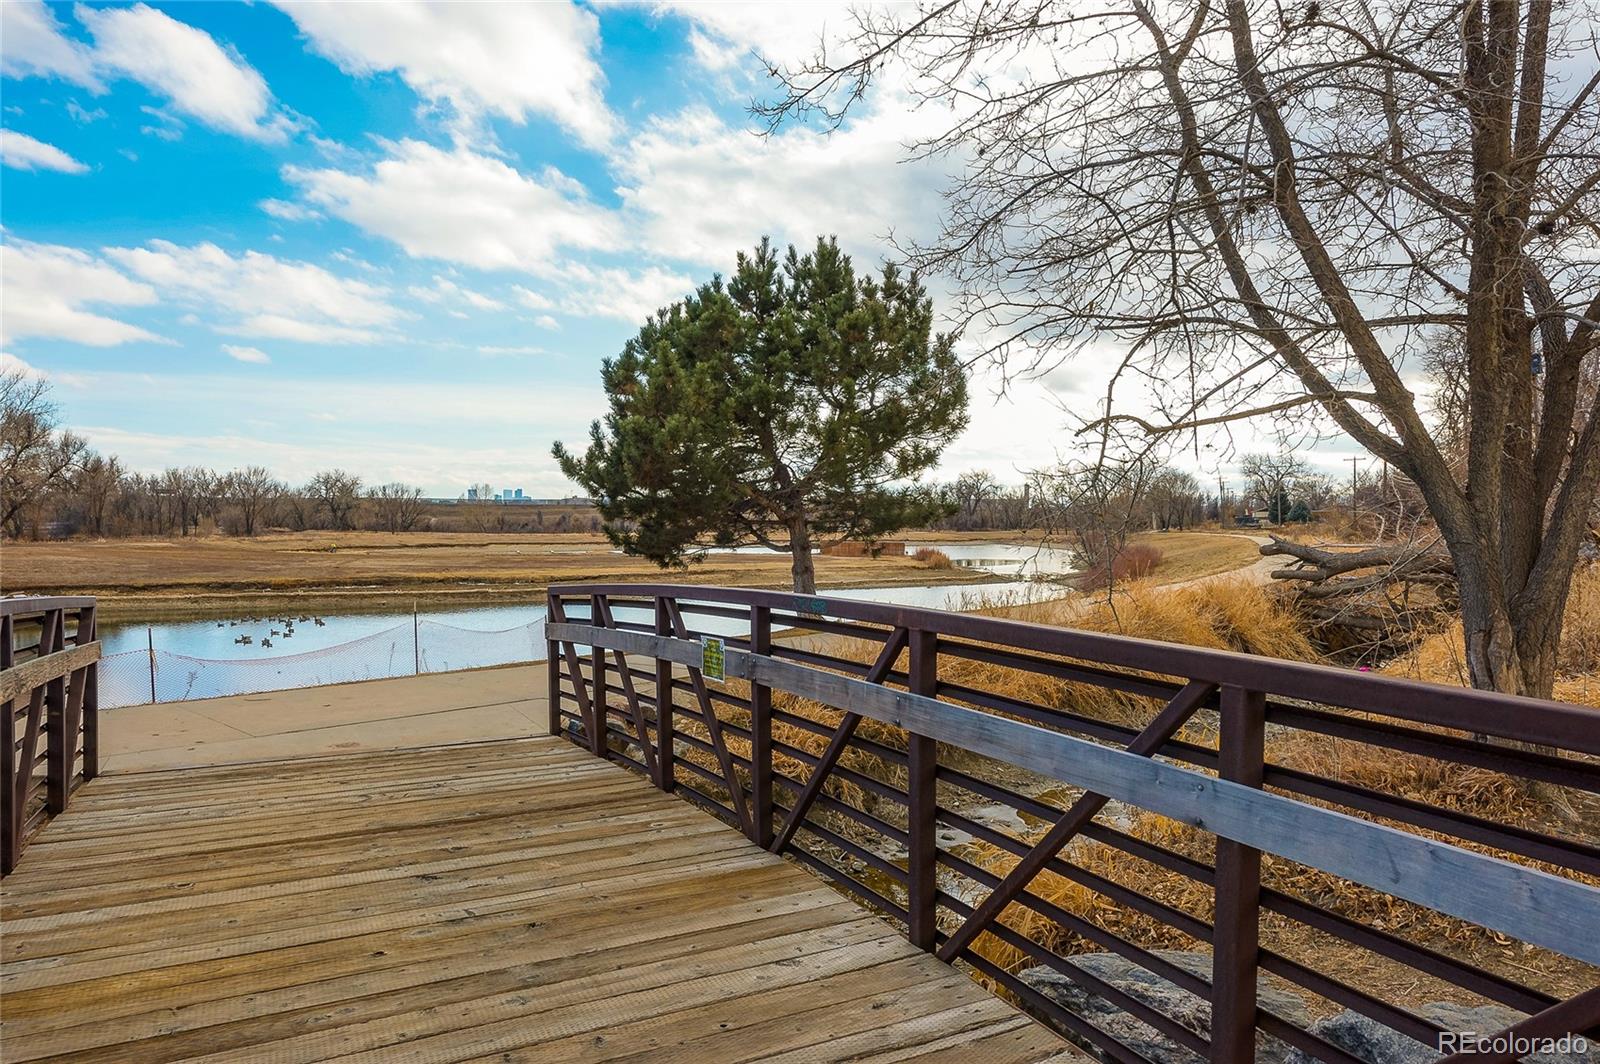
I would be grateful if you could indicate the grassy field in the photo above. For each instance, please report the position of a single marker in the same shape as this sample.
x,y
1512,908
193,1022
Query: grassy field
x,y
327,570
334,570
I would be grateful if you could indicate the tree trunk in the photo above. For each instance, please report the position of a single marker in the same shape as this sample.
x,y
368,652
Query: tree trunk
x,y
1511,647
804,568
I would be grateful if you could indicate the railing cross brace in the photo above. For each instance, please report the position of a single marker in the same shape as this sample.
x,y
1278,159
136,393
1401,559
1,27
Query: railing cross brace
x,y
736,793
1165,725
634,709
841,737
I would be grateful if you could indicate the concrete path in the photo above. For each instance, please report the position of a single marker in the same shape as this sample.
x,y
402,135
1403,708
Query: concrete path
x,y
397,714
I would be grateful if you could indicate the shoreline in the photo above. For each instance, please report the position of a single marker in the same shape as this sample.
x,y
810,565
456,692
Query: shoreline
x,y
178,604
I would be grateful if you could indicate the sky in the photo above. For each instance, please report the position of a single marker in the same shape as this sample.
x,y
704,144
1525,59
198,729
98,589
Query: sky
x,y
399,238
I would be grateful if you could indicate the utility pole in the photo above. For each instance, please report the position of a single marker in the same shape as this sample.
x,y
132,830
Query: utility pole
x,y
1355,512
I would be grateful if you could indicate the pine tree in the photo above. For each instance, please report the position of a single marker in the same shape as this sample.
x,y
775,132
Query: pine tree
x,y
792,405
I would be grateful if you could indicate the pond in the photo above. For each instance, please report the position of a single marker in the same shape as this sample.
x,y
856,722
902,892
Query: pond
x,y
1005,559
170,661
1020,560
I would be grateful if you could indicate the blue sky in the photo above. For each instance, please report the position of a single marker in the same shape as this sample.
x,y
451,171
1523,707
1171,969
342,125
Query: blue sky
x,y
396,238
400,237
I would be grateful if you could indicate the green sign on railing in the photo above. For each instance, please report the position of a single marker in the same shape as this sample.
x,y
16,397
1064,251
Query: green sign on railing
x,y
713,664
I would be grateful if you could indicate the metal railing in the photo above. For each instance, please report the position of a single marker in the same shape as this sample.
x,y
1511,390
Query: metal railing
x,y
882,798
49,713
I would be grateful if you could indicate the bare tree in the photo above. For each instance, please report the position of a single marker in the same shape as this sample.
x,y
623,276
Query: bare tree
x,y
253,492
971,490
396,507
1275,206
1096,504
1174,499
337,495
98,481
35,458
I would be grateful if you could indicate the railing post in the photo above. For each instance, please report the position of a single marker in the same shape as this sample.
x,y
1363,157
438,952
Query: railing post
x,y
8,755
597,670
665,754
552,660
922,800
88,632
58,748
761,734
1236,939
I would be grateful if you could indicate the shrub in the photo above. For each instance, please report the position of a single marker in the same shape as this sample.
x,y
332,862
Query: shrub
x,y
1135,562
934,559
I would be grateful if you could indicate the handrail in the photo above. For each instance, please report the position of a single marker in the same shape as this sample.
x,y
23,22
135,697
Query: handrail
x,y
1234,791
1529,720
49,693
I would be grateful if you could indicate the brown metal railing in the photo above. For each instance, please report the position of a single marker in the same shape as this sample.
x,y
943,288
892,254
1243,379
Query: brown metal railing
x,y
625,682
49,713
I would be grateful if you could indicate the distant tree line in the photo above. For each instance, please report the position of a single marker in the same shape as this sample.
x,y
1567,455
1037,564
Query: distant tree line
x,y
53,485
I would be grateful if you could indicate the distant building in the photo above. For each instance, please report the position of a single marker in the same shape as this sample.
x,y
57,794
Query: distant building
x,y
472,494
519,495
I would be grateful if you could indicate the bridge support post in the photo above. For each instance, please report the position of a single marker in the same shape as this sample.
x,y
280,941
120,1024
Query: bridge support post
x,y
88,632
59,746
922,802
761,734
1237,937
552,670
665,755
597,671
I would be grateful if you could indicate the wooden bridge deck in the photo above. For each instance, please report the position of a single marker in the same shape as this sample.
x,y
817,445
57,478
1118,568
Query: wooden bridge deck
x,y
513,901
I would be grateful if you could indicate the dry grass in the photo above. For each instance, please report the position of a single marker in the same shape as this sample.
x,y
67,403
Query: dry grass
x,y
357,569
1189,555
933,558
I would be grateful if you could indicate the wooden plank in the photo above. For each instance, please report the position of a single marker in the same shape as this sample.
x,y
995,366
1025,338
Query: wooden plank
x,y
573,902
1522,902
19,680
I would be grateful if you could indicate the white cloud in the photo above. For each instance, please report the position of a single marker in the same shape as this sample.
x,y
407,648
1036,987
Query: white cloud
x,y
446,292
246,354
726,34
793,186
46,286
82,114
31,43
270,297
10,363
510,60
463,207
21,152
439,434
614,292
289,212
502,351
531,299
203,80
545,321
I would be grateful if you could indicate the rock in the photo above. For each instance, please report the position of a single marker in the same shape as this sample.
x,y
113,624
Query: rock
x,y
1371,1041
1188,1009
